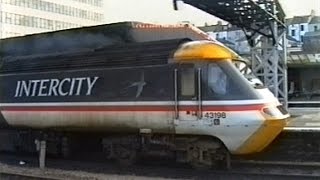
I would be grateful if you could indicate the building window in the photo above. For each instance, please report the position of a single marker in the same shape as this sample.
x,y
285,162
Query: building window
x,y
301,38
302,27
293,32
30,21
315,28
9,18
57,8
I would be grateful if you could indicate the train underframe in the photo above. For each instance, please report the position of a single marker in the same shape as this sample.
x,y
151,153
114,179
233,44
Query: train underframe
x,y
126,149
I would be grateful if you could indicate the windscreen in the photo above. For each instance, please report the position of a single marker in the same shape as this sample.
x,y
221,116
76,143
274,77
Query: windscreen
x,y
223,81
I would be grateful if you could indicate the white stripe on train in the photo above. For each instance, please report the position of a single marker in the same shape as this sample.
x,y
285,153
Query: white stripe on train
x,y
126,103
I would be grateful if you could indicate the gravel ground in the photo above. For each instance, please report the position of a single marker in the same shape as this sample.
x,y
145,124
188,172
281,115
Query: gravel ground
x,y
155,169
58,174
64,169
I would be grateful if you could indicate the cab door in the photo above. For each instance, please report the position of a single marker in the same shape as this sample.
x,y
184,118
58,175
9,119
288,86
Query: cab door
x,y
188,93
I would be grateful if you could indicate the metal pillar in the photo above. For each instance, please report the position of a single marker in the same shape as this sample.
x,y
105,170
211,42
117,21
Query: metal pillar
x,y
269,62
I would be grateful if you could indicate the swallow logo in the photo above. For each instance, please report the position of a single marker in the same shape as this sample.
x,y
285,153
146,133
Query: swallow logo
x,y
139,84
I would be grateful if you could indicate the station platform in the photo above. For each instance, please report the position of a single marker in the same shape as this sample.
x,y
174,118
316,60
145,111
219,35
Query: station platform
x,y
304,119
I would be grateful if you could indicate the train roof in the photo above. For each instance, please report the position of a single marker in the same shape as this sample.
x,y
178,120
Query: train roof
x,y
92,37
82,38
123,55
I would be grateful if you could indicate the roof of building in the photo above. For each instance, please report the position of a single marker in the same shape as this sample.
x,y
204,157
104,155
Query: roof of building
x,y
214,28
241,39
301,19
225,41
302,59
290,38
315,20
288,21
313,33
219,28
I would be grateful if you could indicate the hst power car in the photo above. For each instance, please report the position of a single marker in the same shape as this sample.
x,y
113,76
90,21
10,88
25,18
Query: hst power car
x,y
178,97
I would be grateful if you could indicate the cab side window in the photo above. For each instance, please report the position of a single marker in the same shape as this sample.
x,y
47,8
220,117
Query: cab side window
x,y
187,82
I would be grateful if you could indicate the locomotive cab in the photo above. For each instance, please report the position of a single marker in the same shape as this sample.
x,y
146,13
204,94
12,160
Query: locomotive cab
x,y
226,99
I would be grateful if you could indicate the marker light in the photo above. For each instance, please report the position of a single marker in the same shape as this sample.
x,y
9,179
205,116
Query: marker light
x,y
206,50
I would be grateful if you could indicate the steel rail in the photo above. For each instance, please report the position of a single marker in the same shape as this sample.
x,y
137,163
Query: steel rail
x,y
15,175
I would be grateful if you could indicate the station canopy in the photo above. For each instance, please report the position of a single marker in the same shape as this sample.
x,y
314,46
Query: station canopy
x,y
253,16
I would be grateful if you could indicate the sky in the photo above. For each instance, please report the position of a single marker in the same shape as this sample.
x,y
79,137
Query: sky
x,y
300,7
161,11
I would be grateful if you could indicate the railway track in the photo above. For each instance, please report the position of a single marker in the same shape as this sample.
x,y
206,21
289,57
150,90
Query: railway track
x,y
76,169
286,158
292,145
279,169
10,176
9,172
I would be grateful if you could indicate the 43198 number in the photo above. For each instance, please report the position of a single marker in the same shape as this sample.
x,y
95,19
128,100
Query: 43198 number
x,y
215,115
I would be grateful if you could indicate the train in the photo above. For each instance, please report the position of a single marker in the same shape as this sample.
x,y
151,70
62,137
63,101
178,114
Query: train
x,y
181,98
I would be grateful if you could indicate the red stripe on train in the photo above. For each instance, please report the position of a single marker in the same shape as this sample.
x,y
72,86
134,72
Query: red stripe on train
x,y
132,108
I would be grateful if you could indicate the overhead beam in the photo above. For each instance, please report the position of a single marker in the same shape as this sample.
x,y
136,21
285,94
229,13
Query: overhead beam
x,y
251,15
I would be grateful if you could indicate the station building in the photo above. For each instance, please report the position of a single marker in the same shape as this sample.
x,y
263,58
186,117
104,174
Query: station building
x,y
304,58
303,70
20,17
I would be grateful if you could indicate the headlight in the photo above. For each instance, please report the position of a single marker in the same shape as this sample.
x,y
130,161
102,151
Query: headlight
x,y
272,111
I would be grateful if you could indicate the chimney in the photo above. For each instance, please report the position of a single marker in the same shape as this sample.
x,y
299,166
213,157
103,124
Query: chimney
x,y
313,12
219,23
